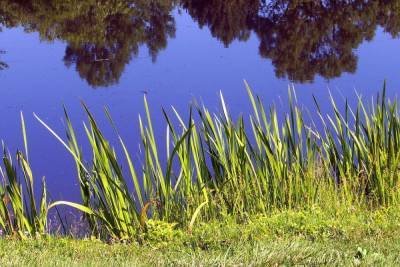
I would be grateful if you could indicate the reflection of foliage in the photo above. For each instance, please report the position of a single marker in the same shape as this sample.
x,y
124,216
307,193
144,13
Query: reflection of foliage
x,y
100,66
101,35
302,38
227,20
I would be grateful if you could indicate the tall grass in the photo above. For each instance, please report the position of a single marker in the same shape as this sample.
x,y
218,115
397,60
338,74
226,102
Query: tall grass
x,y
19,214
217,166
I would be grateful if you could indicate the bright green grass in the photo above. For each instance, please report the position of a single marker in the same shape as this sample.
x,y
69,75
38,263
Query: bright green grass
x,y
62,252
316,237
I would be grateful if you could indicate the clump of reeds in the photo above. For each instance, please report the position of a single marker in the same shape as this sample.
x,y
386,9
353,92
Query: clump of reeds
x,y
217,166
19,214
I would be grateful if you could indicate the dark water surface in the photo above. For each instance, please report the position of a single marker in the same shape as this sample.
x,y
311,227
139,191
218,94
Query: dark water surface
x,y
109,53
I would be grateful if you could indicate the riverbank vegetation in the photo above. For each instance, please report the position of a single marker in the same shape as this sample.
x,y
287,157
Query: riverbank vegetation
x,y
314,237
233,174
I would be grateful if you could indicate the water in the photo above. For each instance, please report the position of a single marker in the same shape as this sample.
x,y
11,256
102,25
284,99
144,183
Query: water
x,y
57,53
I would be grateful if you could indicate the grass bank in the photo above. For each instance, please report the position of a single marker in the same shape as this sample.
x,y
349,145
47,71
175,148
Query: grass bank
x,y
316,237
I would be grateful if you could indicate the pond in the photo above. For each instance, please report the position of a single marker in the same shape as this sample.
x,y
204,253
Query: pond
x,y
111,53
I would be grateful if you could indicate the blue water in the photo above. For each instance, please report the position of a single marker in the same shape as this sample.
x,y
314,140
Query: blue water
x,y
194,64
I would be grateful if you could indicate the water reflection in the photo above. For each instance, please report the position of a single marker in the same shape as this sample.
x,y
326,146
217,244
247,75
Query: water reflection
x,y
101,36
303,39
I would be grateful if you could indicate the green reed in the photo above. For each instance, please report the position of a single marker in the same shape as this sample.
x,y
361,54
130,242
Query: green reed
x,y
217,166
19,214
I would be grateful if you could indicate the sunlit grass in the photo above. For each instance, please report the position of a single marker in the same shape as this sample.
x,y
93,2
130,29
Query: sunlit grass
x,y
218,167
318,237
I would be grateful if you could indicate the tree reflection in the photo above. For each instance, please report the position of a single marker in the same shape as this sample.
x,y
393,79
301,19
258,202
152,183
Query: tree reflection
x,y
227,20
101,36
301,38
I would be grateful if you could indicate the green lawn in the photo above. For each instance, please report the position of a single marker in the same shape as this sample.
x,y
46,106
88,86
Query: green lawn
x,y
314,237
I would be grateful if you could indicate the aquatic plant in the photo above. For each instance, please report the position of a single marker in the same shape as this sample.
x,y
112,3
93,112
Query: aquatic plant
x,y
218,167
19,214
